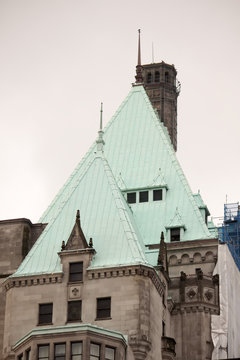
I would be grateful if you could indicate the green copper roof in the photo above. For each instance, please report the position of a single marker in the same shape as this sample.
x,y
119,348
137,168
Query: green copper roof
x,y
69,329
137,155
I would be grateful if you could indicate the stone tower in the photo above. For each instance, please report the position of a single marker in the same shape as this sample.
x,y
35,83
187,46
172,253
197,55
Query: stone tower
x,y
163,89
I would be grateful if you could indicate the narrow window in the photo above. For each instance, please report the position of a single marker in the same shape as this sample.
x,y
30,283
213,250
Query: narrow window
x,y
27,354
45,313
75,271
59,351
76,351
175,234
94,351
163,328
166,77
131,198
74,310
43,352
157,195
149,78
157,76
109,353
20,357
143,196
103,308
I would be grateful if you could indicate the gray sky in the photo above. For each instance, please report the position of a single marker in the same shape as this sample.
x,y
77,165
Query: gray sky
x,y
60,58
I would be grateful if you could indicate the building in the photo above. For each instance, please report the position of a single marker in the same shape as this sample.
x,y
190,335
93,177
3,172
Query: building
x,y
121,264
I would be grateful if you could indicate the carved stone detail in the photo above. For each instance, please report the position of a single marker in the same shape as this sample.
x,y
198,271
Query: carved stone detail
x,y
191,293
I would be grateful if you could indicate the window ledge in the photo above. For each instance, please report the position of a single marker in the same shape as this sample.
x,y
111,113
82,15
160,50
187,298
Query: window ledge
x,y
105,318
44,324
73,321
75,282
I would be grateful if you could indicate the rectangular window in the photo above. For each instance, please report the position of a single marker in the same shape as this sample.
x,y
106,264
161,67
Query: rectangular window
x,y
131,198
175,234
109,353
45,313
27,354
43,352
59,351
20,357
163,328
76,271
94,351
76,351
103,308
143,196
157,195
74,310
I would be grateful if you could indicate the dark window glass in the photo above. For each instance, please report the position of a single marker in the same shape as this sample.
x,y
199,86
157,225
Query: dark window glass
x,y
59,351
163,328
75,271
27,355
94,351
103,308
149,78
74,310
109,353
131,197
76,351
43,352
143,196
166,77
45,313
157,195
175,234
157,76
20,357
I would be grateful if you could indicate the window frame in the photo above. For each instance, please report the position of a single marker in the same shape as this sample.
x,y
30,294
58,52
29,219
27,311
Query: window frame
x,y
143,193
175,237
68,317
134,194
73,355
56,357
110,347
156,191
42,358
91,356
103,308
40,314
72,273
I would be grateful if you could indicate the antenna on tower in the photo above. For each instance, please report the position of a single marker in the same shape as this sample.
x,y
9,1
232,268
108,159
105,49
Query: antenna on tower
x,y
139,68
152,53
100,142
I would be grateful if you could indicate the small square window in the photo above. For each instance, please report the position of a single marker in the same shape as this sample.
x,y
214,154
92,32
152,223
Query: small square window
x,y
94,351
75,271
74,310
59,351
157,195
103,308
76,350
131,198
175,234
143,196
43,352
45,313
109,353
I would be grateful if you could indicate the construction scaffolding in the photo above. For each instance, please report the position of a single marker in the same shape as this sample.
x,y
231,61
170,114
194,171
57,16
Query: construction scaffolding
x,y
229,232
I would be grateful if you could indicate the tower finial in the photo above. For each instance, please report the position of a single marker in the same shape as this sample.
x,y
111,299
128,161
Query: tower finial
x,y
139,68
100,142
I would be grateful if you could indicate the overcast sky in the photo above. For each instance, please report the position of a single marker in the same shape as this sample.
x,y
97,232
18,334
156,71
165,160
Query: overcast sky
x,y
60,58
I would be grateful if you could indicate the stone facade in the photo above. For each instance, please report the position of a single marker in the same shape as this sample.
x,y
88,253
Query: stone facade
x,y
163,89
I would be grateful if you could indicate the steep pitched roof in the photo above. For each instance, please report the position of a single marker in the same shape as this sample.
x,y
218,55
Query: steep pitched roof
x,y
138,153
106,218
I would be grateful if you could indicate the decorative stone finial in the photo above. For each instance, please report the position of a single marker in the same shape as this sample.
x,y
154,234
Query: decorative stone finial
x,y
90,243
63,246
139,68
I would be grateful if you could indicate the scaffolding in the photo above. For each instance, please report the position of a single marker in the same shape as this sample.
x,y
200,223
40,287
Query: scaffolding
x,y
229,232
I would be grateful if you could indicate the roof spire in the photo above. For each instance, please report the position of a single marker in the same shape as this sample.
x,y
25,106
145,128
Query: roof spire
x,y
139,68
100,142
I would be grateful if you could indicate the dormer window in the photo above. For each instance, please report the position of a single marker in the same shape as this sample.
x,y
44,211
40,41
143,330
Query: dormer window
x,y
149,78
157,76
75,271
157,194
175,234
131,198
143,196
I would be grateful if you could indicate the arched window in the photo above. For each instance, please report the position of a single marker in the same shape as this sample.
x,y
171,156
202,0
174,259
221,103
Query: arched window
x,y
149,78
157,76
166,77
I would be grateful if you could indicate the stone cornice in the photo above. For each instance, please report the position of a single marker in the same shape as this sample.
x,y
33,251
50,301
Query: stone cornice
x,y
195,307
33,280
